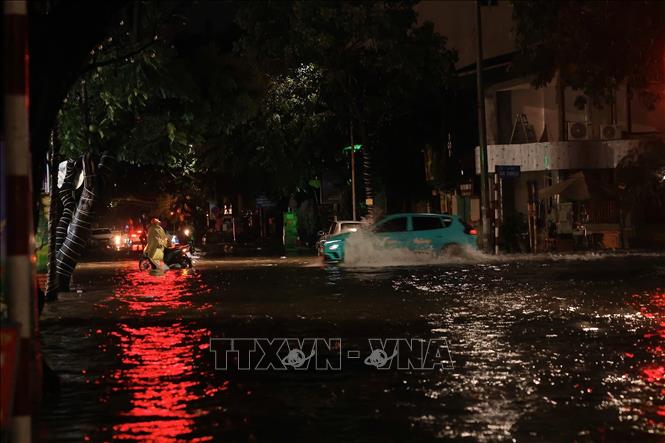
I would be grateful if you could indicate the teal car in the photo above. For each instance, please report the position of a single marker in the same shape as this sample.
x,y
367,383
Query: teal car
x,y
426,233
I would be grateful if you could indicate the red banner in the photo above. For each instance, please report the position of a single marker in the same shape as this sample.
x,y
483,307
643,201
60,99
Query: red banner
x,y
8,360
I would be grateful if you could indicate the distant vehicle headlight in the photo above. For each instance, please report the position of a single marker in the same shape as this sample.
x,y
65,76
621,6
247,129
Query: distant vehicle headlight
x,y
117,239
187,232
333,246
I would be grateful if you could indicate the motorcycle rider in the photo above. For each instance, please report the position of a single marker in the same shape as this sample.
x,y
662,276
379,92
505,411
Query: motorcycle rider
x,y
157,241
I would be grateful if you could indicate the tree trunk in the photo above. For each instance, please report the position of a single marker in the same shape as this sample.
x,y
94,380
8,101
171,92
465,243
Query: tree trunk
x,y
561,108
67,201
367,168
629,109
54,216
78,231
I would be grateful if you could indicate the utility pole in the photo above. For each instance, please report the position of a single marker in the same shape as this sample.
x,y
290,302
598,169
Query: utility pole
x,y
353,172
18,272
484,204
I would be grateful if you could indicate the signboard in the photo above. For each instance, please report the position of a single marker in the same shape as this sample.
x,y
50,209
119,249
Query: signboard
x,y
264,202
8,362
566,216
290,230
466,189
507,171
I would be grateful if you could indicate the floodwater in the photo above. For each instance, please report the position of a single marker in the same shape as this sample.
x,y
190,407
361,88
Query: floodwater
x,y
542,348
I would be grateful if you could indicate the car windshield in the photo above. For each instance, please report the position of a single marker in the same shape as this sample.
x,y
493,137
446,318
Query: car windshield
x,y
331,230
349,227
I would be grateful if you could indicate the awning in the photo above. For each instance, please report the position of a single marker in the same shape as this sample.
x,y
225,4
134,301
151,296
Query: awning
x,y
577,188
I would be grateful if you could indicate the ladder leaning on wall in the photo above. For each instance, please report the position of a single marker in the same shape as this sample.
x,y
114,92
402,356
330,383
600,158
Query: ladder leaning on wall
x,y
523,132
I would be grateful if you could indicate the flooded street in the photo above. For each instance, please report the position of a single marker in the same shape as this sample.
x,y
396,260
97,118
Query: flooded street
x,y
543,349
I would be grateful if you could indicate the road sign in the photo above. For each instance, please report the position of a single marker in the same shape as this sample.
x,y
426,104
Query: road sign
x,y
507,171
466,189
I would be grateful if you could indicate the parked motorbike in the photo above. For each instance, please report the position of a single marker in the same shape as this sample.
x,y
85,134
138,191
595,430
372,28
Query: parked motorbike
x,y
177,257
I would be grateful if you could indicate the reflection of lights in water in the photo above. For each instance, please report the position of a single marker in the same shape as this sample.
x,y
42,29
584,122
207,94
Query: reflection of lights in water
x,y
635,394
655,374
152,295
492,360
157,363
157,370
490,364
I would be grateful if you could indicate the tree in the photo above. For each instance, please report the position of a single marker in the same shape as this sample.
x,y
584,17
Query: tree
x,y
378,64
62,34
641,178
111,90
595,46
283,146
151,106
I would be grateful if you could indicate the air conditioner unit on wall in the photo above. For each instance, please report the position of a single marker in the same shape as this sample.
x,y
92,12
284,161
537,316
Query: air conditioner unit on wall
x,y
610,132
579,131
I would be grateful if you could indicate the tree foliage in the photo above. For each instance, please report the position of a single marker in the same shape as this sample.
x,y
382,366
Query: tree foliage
x,y
641,175
377,65
373,54
596,46
164,106
283,147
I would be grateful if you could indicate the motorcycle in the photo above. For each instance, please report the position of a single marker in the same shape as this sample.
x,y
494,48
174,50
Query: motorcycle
x,y
177,257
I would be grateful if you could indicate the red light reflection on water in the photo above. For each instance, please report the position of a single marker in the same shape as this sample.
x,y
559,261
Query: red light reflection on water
x,y
654,373
146,294
158,362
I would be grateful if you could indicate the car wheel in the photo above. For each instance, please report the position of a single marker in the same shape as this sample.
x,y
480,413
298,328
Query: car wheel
x,y
451,250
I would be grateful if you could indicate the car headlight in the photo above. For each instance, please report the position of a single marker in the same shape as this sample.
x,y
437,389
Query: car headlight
x,y
117,239
333,246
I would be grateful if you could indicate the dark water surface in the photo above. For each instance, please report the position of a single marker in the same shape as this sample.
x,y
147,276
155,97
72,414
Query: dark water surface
x,y
543,349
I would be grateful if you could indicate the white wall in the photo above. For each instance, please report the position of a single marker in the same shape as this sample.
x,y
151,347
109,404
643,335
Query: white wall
x,y
456,19
541,108
643,119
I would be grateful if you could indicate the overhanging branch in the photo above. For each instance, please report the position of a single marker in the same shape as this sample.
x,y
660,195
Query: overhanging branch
x,y
89,67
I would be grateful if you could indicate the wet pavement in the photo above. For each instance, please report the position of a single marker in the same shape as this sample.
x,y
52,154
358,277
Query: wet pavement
x,y
543,349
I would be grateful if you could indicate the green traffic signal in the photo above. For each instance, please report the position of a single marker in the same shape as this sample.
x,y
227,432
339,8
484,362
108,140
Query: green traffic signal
x,y
355,148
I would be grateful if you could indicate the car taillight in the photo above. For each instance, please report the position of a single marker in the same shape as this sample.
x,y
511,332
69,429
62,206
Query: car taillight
x,y
468,229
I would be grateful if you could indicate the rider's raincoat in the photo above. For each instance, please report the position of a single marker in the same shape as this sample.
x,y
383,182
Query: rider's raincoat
x,y
157,241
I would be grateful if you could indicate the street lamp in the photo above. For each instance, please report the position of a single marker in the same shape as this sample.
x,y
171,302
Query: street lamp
x,y
484,200
353,148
